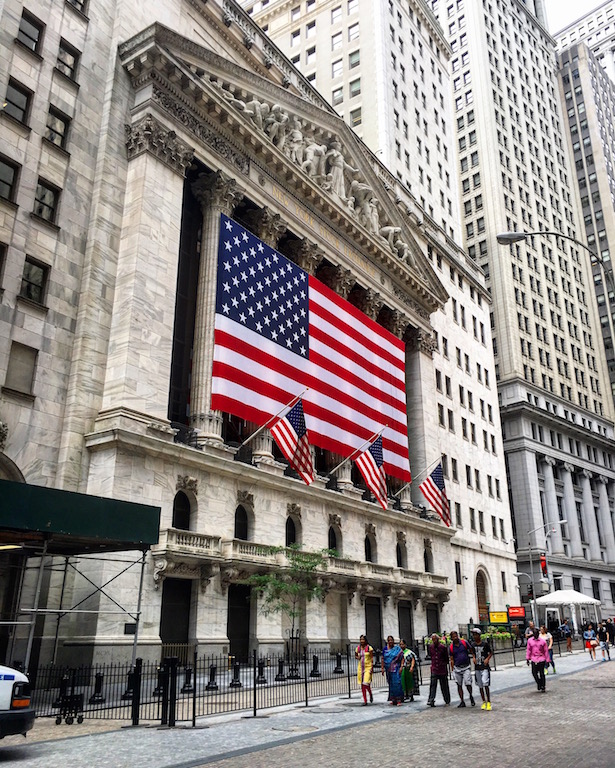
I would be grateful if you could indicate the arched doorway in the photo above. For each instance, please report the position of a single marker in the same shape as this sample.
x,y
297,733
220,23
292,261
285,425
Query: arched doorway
x,y
482,598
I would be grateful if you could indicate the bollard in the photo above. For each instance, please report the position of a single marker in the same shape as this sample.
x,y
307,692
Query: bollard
x,y
261,679
315,671
63,692
172,690
160,683
130,684
236,682
338,665
136,699
187,687
280,677
97,697
377,659
212,685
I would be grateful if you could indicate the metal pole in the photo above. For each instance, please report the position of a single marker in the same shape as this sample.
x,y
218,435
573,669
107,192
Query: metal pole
x,y
136,637
37,594
534,605
55,640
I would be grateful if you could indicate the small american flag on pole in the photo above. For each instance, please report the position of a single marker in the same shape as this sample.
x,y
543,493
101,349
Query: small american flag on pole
x,y
370,464
290,434
434,491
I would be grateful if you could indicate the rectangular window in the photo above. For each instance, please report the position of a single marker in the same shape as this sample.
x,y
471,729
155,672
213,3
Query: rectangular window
x,y
295,13
458,522
502,533
336,14
336,41
337,68
472,519
596,589
21,367
56,130
68,60
353,32
80,5
310,29
9,173
30,32
355,87
354,59
503,581
46,200
355,117
481,521
353,5
494,527
295,38
17,101
576,583
337,96
310,55
34,281
457,572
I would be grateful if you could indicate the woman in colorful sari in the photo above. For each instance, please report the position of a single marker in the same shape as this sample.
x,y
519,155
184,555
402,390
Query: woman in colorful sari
x,y
407,671
392,660
364,654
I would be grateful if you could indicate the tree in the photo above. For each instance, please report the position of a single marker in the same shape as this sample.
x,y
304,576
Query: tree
x,y
286,590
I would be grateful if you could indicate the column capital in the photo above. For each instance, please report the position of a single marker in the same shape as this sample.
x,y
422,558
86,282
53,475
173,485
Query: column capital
x,y
267,225
425,342
344,281
568,467
150,135
217,190
604,479
549,461
305,254
587,474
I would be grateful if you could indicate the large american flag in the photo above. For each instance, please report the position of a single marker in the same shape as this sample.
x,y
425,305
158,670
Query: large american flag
x,y
291,435
279,331
434,491
370,463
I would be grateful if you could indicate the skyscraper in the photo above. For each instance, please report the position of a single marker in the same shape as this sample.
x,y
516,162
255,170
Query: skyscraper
x,y
596,30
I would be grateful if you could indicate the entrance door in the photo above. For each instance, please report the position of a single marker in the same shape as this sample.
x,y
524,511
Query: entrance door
x,y
238,623
406,627
433,618
175,617
482,599
373,622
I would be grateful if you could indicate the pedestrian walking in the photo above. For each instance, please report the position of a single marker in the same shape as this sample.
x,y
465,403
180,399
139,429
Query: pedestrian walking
x,y
482,654
460,654
537,654
591,641
392,660
438,654
604,639
548,638
407,671
529,631
364,654
565,631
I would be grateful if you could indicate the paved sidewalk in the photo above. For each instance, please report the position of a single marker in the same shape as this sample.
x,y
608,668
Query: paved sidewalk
x,y
340,724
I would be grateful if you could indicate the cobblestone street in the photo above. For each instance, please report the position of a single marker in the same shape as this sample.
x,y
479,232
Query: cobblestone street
x,y
569,725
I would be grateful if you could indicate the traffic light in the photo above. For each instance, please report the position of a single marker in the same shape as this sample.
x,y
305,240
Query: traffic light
x,y
530,591
543,565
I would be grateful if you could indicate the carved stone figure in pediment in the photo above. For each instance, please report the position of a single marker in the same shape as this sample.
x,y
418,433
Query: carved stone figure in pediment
x,y
295,142
336,165
276,125
257,111
313,159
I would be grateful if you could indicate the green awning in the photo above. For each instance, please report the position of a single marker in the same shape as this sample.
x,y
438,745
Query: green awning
x,y
73,522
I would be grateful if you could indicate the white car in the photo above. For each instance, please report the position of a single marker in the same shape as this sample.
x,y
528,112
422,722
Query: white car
x,y
16,714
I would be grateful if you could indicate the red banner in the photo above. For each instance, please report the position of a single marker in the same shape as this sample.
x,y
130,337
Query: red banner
x,y
516,612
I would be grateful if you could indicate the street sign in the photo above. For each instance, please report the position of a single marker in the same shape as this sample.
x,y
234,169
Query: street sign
x,y
516,611
498,617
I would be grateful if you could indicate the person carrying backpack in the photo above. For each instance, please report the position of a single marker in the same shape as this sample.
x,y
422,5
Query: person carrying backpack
x,y
460,655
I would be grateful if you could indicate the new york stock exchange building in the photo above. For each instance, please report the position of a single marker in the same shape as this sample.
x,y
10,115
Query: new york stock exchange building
x,y
205,138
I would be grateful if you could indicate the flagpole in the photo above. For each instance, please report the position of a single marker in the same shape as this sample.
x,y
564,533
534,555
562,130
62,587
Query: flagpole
x,y
433,464
359,449
294,401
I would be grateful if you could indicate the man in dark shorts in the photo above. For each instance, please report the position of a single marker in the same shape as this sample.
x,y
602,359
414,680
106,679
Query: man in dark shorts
x,y
482,673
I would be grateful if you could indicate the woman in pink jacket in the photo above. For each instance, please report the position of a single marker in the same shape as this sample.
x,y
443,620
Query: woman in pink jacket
x,y
538,655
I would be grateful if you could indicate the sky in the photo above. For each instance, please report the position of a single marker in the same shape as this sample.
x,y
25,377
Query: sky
x,y
560,13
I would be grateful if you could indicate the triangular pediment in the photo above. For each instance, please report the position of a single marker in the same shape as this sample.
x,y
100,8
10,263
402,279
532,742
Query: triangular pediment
x,y
304,144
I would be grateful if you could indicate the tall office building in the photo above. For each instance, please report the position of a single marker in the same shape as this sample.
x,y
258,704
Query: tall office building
x,y
597,30
555,404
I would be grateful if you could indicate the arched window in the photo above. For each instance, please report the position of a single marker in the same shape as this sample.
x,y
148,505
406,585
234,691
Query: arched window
x,y
241,523
332,538
291,532
181,512
482,597
368,550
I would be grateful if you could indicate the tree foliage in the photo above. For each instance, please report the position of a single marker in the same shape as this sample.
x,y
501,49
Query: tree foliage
x,y
286,590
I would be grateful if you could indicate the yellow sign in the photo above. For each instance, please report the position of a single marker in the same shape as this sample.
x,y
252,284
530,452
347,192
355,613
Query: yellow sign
x,y
498,617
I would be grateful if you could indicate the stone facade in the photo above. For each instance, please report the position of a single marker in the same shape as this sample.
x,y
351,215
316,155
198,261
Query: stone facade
x,y
172,133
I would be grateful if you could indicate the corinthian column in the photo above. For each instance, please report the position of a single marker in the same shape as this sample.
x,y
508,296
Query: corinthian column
x,y
557,545
606,519
217,194
590,516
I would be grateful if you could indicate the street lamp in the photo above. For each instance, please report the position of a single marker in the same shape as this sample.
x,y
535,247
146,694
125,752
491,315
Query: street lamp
x,y
551,530
518,574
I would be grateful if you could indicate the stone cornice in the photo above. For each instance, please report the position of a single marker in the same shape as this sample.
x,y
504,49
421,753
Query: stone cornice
x,y
222,463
